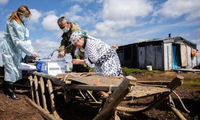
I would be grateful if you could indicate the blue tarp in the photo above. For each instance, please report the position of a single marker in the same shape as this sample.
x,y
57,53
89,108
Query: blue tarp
x,y
175,65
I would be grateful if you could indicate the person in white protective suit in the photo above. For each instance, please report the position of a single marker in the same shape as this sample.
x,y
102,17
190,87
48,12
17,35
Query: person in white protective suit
x,y
15,42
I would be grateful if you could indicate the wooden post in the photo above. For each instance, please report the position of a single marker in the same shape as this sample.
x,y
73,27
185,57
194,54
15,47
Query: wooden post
x,y
36,90
176,111
44,113
31,85
50,90
115,98
178,81
91,96
42,86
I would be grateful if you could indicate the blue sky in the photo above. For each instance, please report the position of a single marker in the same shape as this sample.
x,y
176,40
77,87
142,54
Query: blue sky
x,y
113,21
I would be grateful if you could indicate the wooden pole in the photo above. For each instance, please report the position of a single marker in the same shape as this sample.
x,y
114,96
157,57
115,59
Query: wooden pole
x,y
42,86
44,113
90,87
31,85
55,80
176,111
50,90
115,98
36,90
178,81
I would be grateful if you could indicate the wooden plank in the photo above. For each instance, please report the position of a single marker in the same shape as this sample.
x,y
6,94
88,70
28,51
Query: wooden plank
x,y
31,85
97,80
140,91
183,53
174,84
44,113
115,98
164,83
178,81
159,57
176,111
42,86
150,56
141,58
55,80
50,90
89,87
36,90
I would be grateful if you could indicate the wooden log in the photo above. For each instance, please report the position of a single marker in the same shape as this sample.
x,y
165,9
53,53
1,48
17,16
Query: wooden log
x,y
42,86
36,90
22,91
176,111
50,90
155,82
44,113
55,80
178,81
31,85
91,96
83,96
90,87
172,85
115,98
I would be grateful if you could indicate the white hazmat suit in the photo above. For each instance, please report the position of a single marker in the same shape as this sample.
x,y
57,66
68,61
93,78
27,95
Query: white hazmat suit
x,y
14,43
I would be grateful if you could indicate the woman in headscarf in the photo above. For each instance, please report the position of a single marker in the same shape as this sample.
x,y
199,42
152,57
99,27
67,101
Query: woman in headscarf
x,y
14,43
97,52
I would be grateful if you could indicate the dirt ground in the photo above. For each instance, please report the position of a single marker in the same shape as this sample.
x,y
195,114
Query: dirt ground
x,y
189,93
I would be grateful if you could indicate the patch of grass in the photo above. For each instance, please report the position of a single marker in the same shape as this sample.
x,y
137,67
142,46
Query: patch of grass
x,y
129,71
191,83
91,69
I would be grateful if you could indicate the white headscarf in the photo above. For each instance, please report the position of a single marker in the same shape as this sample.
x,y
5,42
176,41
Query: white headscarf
x,y
75,36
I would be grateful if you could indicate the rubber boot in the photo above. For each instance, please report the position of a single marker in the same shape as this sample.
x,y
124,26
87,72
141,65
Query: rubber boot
x,y
8,90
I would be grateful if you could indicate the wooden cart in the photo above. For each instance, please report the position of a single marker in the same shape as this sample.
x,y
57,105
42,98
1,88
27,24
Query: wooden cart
x,y
113,91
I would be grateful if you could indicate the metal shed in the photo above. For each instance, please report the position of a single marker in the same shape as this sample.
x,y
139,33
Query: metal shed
x,y
162,54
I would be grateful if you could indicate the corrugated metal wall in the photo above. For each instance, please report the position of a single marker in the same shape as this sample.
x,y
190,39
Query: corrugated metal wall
x,y
168,63
151,55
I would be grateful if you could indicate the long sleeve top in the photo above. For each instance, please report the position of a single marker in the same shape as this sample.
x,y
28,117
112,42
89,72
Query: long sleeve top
x,y
103,56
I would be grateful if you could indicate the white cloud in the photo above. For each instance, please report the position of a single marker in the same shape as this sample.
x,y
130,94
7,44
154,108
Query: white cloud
x,y
35,15
126,9
88,18
45,47
1,38
50,22
83,1
1,35
3,2
177,8
51,12
75,9
71,14
100,1
118,14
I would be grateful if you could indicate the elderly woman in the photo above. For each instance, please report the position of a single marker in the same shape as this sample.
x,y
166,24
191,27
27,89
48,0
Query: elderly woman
x,y
98,53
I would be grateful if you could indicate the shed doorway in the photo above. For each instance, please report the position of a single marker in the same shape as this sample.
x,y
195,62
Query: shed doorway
x,y
176,56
